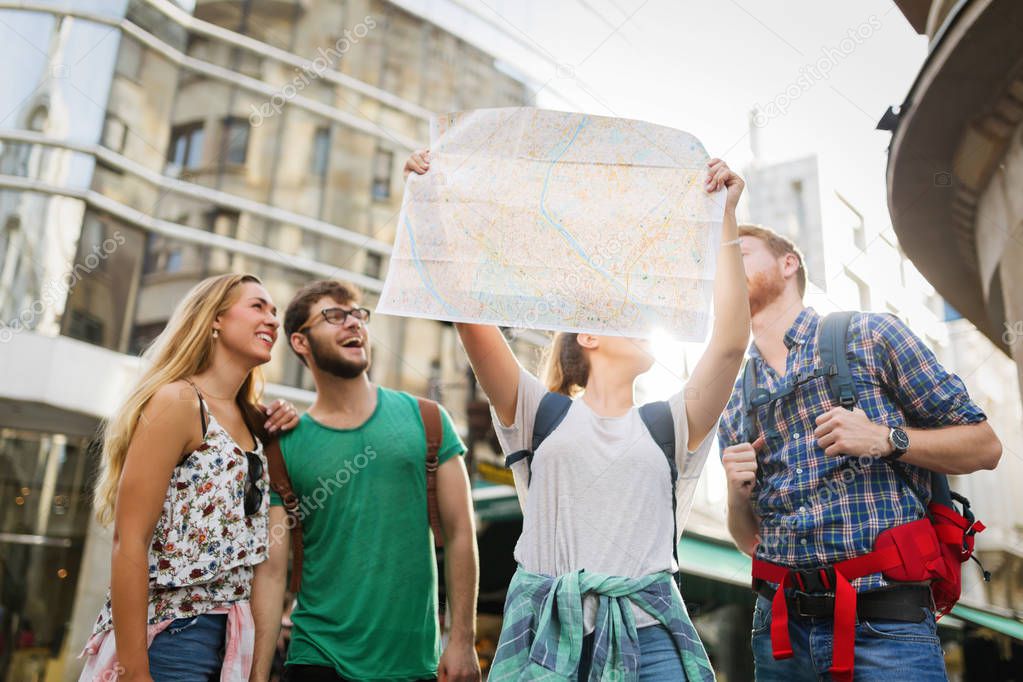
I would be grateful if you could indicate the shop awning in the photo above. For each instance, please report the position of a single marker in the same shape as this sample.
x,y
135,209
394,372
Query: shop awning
x,y
715,559
495,502
1003,624
709,559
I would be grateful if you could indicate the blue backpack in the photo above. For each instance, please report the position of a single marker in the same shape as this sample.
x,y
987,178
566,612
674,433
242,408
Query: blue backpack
x,y
832,341
656,416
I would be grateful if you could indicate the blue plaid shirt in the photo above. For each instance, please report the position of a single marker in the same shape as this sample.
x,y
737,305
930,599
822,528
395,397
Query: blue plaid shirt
x,y
817,510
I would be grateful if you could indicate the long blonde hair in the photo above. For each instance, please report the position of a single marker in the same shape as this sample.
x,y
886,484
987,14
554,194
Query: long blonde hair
x,y
183,349
567,368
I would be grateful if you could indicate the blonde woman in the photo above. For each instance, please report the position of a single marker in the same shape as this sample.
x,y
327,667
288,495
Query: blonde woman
x,y
594,596
185,483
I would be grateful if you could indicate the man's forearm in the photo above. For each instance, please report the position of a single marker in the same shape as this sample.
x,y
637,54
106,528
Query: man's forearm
x,y
461,566
960,449
743,525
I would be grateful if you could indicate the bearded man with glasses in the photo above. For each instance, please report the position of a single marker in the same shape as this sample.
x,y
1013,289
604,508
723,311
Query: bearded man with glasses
x,y
356,468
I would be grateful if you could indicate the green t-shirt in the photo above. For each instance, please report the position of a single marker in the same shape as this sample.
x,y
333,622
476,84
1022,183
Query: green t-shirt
x,y
368,602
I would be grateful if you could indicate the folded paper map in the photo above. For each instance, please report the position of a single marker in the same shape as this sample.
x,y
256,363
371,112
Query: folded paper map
x,y
549,220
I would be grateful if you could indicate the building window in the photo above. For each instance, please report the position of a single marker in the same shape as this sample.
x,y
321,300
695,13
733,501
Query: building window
x,y
115,132
236,140
130,58
185,150
143,336
7,234
37,120
223,222
311,246
382,162
800,206
45,508
85,327
374,263
321,151
161,255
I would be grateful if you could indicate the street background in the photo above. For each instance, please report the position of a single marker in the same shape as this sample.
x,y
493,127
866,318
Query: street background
x,y
147,144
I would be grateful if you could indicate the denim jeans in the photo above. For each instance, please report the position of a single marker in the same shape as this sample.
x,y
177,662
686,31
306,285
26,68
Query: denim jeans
x,y
885,649
659,660
189,650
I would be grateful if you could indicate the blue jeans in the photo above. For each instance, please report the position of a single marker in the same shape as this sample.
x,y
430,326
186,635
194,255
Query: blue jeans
x,y
659,660
189,650
885,649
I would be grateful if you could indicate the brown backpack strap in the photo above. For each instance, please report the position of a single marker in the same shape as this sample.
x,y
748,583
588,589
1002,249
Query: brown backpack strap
x,y
430,413
281,484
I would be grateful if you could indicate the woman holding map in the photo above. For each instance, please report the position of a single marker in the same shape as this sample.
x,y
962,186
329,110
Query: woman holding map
x,y
594,596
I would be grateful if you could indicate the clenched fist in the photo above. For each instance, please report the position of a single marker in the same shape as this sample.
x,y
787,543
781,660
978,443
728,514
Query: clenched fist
x,y
418,162
740,462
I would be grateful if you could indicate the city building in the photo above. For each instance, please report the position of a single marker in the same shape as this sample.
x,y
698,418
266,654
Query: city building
x,y
955,174
147,146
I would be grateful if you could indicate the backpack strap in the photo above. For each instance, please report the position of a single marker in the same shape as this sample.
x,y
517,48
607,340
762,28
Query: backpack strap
x,y
748,411
281,484
832,342
661,425
430,413
549,414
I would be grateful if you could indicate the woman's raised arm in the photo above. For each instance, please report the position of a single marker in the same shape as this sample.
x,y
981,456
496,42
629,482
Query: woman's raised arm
x,y
495,367
710,384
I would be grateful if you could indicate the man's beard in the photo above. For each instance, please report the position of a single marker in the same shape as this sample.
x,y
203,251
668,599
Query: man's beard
x,y
764,289
327,360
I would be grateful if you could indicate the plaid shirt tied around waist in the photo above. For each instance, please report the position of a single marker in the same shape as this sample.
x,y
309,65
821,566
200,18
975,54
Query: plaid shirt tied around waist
x,y
817,510
543,630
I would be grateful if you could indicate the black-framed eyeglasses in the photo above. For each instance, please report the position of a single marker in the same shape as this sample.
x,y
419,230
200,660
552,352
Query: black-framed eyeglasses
x,y
337,316
253,493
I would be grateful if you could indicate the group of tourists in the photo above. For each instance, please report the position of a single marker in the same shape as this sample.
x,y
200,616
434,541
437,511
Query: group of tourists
x,y
210,492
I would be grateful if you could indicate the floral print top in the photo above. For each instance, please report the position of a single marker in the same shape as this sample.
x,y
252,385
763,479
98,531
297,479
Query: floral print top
x,y
204,546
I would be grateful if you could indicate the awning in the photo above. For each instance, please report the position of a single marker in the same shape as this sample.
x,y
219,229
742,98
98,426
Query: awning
x,y
717,561
709,559
1003,624
494,502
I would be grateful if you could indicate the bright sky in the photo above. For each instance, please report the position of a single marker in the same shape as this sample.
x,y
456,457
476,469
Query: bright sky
x,y
822,73
701,67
